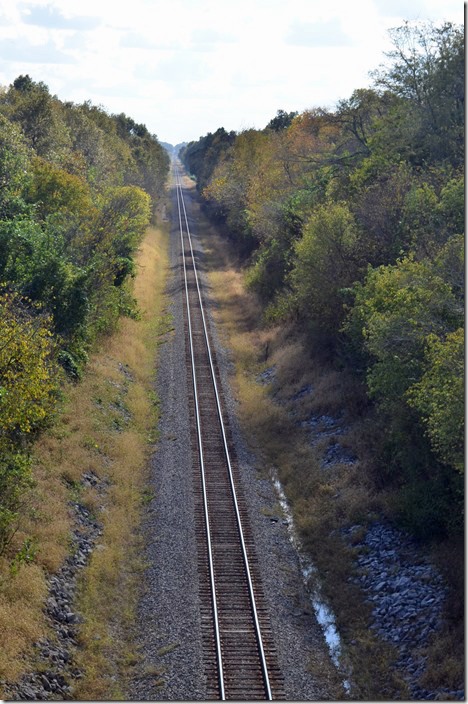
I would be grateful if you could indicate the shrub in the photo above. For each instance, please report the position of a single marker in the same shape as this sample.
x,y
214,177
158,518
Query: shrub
x,y
14,167
268,273
15,481
326,262
407,318
439,396
28,375
395,310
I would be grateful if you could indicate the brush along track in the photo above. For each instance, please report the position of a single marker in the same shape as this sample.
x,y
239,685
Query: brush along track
x,y
238,652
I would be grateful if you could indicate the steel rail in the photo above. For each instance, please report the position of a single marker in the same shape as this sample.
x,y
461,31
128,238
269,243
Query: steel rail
x,y
219,656
258,634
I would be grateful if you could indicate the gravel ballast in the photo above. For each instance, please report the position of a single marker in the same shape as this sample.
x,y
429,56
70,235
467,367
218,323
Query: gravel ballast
x,y
169,617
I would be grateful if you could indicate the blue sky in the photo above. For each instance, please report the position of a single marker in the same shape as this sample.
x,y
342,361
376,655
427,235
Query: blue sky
x,y
186,67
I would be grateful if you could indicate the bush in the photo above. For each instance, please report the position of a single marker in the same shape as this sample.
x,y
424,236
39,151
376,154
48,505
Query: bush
x,y
326,262
268,273
407,318
395,310
33,259
439,397
14,167
28,374
15,481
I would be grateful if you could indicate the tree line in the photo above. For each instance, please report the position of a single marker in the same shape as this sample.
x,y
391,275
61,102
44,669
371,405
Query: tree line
x,y
78,186
350,223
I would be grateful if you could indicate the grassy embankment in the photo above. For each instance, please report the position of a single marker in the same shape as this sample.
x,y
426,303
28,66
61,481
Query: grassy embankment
x,y
106,425
321,503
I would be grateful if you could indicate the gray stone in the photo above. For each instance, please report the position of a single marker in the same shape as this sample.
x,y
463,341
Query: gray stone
x,y
304,391
45,683
28,693
408,605
267,376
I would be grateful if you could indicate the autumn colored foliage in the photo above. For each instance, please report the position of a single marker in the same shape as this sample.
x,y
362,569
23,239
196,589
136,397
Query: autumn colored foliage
x,y
77,189
350,223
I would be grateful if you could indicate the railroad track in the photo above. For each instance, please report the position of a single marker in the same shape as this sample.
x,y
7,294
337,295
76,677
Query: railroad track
x,y
238,649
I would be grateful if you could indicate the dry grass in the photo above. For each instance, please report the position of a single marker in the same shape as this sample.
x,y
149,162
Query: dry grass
x,y
446,655
321,502
110,586
92,433
21,620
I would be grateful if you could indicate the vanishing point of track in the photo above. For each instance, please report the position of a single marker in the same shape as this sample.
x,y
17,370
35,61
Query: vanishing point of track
x,y
238,652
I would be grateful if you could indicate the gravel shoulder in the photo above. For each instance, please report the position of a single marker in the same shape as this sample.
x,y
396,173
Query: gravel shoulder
x,y
169,625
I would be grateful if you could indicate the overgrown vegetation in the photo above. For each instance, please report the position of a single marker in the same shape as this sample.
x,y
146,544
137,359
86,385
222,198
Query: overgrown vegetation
x,y
324,501
105,428
350,223
77,190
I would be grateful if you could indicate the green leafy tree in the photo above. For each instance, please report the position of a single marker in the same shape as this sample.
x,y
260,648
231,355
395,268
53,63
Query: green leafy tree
x,y
28,375
439,396
54,191
327,261
40,117
395,310
427,71
202,157
281,121
14,168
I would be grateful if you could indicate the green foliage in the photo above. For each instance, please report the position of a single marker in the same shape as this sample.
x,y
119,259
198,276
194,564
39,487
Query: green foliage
x,y
352,221
327,261
420,217
25,555
268,273
72,214
123,219
281,120
431,507
427,73
40,117
407,317
112,242
73,363
452,205
439,396
395,310
28,378
54,191
14,167
15,482
449,263
33,259
359,119
201,157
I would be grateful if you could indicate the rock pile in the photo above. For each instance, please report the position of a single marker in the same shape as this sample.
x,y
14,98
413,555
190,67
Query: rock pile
x,y
267,376
406,592
303,391
407,595
324,426
56,671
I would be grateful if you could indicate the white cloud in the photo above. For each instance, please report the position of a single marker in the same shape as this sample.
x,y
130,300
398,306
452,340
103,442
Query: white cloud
x,y
399,8
322,33
184,67
20,50
78,41
207,38
51,17
178,68
137,40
